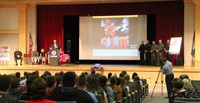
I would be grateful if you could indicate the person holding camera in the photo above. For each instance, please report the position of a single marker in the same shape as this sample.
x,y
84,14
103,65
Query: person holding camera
x,y
167,70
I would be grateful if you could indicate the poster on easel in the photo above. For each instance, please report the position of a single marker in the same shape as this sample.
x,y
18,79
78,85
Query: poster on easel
x,y
175,45
4,53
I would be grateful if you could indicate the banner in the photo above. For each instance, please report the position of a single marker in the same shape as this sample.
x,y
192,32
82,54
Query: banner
x,y
175,45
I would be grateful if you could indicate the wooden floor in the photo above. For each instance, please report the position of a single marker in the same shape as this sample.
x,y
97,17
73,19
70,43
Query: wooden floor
x,y
146,72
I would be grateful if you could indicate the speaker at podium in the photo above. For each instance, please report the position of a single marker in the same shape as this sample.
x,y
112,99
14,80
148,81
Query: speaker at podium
x,y
54,57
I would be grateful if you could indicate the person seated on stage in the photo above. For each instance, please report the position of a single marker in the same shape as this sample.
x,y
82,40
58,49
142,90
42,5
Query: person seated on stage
x,y
5,83
49,53
67,92
34,56
38,92
180,92
18,55
43,56
64,57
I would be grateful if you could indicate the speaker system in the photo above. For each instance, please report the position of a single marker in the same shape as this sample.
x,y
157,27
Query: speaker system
x,y
68,47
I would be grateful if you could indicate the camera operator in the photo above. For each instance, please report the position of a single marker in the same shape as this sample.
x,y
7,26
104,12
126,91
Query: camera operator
x,y
166,68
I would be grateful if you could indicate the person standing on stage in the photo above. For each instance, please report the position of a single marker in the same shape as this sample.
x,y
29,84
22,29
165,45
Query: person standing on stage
x,y
18,55
55,45
142,49
167,70
166,49
159,51
148,52
153,53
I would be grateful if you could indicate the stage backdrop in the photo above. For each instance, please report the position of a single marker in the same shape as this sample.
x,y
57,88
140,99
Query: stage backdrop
x,y
169,19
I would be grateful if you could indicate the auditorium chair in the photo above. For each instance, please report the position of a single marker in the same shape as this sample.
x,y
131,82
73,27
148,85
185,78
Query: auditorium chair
x,y
187,100
27,58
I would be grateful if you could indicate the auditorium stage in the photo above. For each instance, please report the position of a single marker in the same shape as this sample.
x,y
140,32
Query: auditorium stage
x,y
147,72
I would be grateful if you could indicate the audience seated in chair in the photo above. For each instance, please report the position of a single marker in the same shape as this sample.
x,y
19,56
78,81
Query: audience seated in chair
x,y
38,92
94,87
108,90
14,90
43,56
67,92
115,87
34,56
5,83
18,55
51,84
82,83
179,91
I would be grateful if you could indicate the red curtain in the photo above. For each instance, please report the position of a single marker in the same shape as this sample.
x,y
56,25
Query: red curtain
x,y
169,18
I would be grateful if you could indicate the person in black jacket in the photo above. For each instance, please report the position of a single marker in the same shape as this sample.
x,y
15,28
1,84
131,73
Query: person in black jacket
x,y
18,55
5,83
148,52
142,52
67,92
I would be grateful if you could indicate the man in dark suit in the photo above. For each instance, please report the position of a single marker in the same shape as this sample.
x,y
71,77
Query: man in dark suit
x,y
166,48
142,49
18,55
55,45
148,52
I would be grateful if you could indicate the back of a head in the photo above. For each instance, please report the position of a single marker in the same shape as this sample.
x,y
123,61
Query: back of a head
x,y
134,74
38,89
184,76
17,74
26,74
136,79
177,83
15,83
69,79
51,81
186,84
93,83
102,80
113,80
82,80
124,72
30,79
127,77
109,75
121,74
5,82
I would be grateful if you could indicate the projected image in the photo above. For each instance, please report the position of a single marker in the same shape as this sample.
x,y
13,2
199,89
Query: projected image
x,y
114,37
116,33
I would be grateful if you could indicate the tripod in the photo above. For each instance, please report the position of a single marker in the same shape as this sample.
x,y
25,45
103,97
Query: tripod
x,y
159,73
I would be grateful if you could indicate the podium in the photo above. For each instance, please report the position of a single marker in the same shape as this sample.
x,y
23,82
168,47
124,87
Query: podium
x,y
54,57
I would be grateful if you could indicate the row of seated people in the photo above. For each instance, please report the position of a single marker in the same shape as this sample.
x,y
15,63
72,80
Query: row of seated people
x,y
41,57
64,87
183,88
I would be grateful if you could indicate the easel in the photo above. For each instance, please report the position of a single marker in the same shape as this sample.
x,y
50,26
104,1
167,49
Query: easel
x,y
159,74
